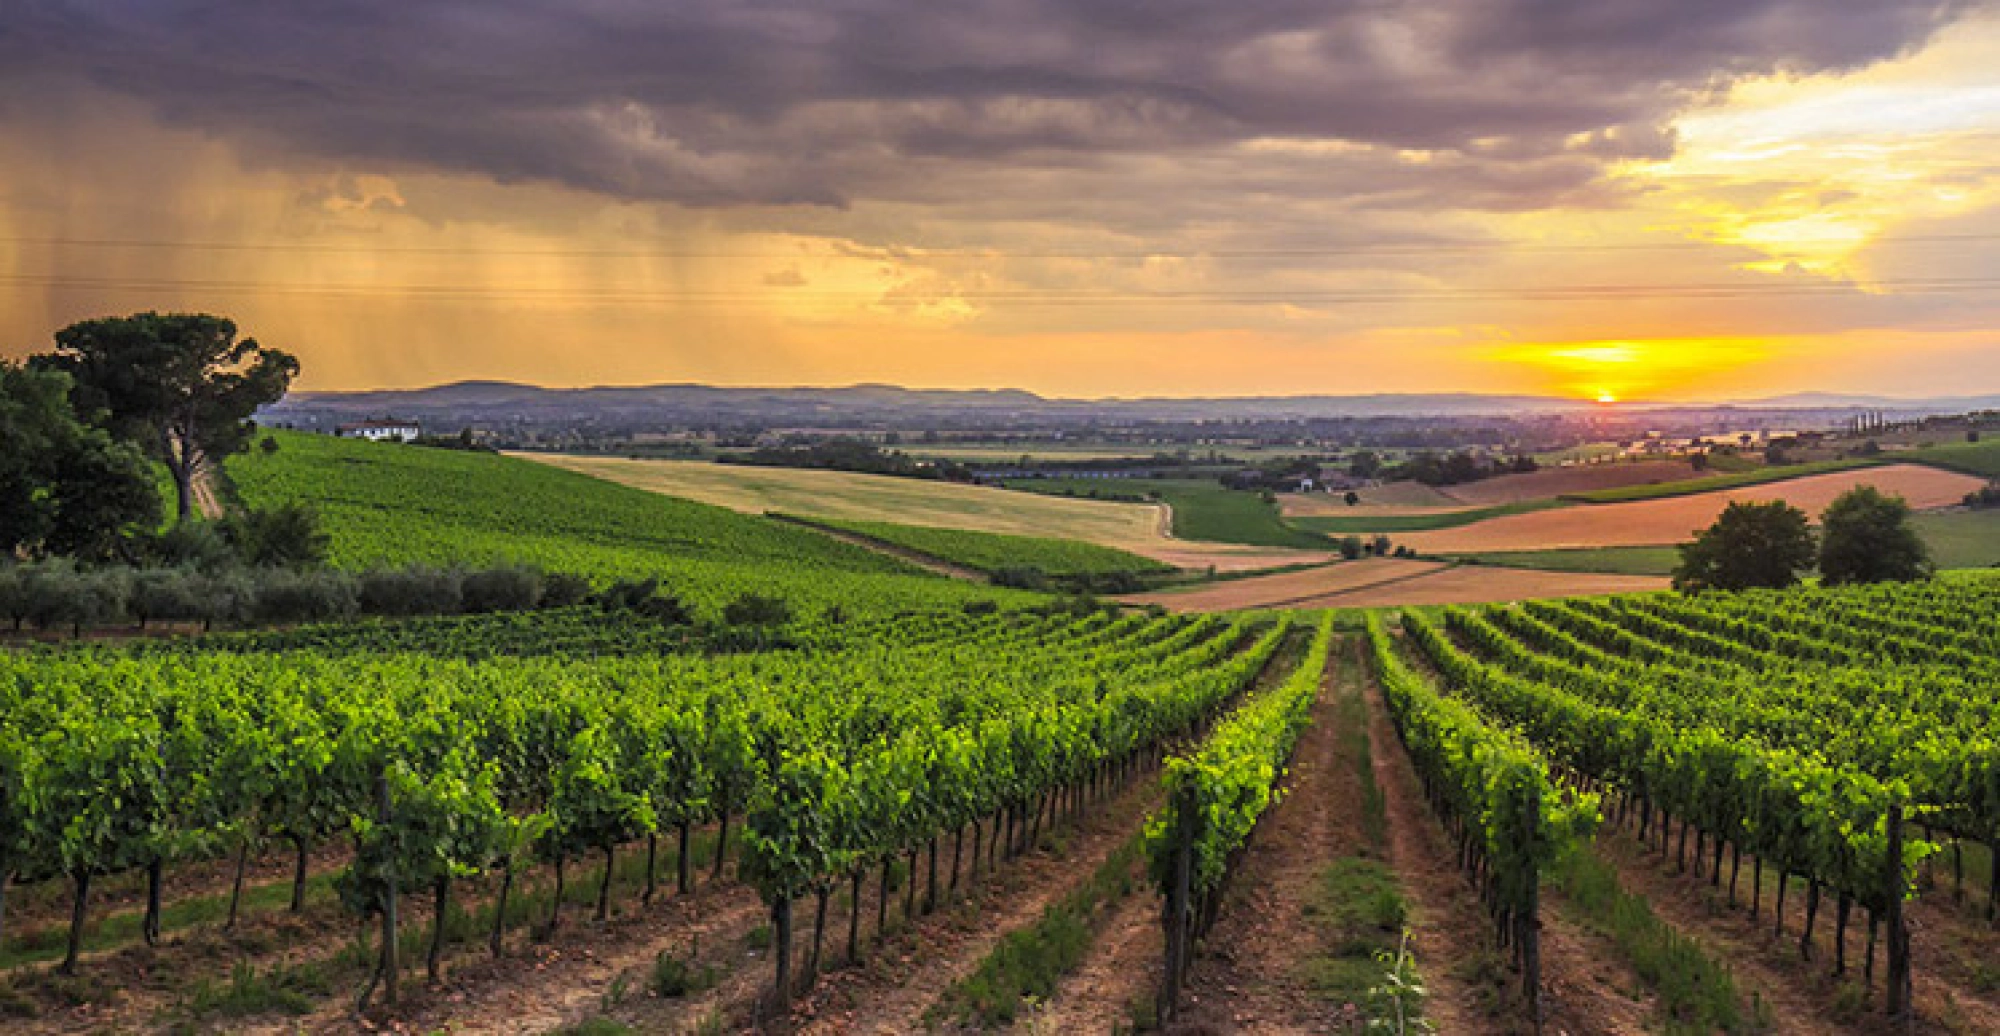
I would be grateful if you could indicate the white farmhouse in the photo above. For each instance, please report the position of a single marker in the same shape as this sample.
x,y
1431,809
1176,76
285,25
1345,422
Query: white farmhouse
x,y
380,431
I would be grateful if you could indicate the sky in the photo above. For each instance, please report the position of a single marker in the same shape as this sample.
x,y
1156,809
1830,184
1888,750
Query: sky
x,y
1619,199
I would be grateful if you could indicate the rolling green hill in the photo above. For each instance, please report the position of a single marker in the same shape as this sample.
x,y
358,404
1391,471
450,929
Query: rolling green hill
x,y
391,504
1972,458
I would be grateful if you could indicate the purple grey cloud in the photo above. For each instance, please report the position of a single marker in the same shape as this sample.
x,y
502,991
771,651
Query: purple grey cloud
x,y
722,102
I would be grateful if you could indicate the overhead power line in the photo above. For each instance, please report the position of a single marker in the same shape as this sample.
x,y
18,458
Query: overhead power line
x,y
871,252
1890,287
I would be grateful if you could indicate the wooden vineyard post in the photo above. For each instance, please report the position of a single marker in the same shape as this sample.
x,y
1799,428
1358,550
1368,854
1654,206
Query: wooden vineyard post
x,y
1179,892
1899,932
1531,925
390,965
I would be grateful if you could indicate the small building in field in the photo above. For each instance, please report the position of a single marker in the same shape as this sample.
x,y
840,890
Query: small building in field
x,y
380,431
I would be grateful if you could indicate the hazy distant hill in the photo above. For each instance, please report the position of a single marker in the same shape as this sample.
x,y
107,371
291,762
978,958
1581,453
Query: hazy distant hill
x,y
489,403
856,404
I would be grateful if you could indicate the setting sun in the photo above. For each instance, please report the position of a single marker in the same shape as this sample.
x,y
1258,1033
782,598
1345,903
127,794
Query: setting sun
x,y
1606,397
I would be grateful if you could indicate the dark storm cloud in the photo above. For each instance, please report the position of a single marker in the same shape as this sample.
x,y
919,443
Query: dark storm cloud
x,y
713,102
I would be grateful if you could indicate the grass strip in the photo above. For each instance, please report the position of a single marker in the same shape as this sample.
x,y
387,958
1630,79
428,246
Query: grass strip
x,y
1025,968
1697,993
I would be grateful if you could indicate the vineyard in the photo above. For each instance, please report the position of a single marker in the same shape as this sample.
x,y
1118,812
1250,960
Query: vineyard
x,y
1766,811
385,506
1839,739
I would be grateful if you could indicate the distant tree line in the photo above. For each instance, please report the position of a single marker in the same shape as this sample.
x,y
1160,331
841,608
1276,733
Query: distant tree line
x,y
850,455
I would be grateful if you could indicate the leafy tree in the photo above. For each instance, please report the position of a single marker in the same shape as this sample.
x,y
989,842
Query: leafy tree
x,y
1353,498
288,535
181,385
1352,547
1750,545
1867,538
65,487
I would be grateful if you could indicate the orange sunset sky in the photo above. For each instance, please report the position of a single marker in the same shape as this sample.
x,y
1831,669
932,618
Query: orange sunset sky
x,y
1698,200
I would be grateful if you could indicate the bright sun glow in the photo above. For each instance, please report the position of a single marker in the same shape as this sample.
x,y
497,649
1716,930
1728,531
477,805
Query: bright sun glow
x,y
1612,371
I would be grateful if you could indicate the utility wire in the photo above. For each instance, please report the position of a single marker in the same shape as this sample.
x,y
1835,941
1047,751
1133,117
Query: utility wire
x,y
873,252
1021,296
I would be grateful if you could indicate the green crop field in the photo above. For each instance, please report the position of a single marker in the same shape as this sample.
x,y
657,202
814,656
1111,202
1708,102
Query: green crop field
x,y
992,552
1961,539
1203,509
391,504
1728,480
1973,458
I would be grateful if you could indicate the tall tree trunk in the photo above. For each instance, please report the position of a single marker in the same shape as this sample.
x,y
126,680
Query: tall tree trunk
x,y
236,887
183,492
440,899
77,911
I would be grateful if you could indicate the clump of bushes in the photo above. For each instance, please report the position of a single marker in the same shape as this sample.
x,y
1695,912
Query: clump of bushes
x,y
59,594
646,598
757,610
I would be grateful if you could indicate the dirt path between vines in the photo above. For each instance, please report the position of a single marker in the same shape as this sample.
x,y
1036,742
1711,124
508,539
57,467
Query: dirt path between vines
x,y
1123,966
1447,925
904,978
1587,988
1248,976
1803,996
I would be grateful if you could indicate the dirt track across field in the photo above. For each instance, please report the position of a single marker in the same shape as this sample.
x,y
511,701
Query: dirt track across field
x,y
1379,582
1676,519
